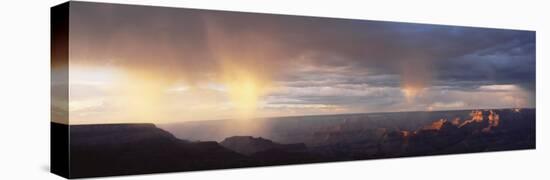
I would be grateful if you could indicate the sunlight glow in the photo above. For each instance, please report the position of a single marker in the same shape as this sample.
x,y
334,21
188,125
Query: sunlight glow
x,y
245,91
411,92
142,96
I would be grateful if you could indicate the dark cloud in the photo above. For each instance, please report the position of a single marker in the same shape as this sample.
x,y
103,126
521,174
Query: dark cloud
x,y
510,62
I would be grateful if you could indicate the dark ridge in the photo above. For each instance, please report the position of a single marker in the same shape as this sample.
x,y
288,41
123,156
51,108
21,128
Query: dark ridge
x,y
248,145
122,149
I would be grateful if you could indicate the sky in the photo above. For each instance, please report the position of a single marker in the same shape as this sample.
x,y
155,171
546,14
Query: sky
x,y
162,65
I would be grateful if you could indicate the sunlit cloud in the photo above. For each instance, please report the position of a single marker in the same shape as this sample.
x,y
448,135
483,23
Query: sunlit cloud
x,y
131,65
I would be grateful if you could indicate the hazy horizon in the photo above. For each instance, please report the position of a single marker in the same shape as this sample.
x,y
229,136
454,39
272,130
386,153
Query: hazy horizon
x,y
307,115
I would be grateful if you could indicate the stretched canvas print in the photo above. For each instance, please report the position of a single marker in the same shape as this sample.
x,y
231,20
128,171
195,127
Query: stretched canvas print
x,y
142,89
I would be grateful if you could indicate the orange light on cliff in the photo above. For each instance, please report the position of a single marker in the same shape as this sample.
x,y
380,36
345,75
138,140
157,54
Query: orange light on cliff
x,y
456,121
494,119
405,134
436,125
477,116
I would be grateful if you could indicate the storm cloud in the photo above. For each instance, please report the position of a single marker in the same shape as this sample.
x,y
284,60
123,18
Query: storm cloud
x,y
356,64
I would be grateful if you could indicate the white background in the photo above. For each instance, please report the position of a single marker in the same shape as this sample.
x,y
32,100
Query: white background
x,y
25,90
